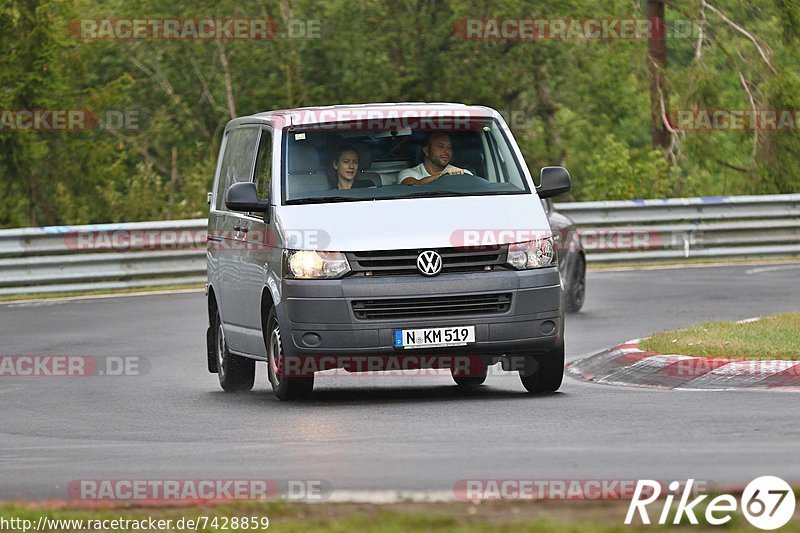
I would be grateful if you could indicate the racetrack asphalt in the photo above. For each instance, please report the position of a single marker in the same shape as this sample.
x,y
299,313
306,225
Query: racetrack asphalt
x,y
387,433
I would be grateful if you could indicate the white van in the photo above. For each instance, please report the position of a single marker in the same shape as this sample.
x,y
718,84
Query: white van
x,y
381,236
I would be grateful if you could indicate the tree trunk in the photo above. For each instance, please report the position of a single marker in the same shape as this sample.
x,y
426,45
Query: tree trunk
x,y
546,109
223,59
173,183
33,198
657,66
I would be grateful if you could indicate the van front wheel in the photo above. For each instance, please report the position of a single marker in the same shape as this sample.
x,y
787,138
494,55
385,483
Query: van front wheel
x,y
285,387
543,373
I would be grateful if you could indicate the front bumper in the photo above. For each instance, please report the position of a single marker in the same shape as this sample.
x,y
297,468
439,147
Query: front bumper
x,y
319,318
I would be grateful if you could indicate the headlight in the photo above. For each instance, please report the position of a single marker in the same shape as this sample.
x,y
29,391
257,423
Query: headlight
x,y
532,254
311,264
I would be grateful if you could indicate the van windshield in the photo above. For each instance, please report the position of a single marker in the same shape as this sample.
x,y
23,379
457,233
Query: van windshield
x,y
346,162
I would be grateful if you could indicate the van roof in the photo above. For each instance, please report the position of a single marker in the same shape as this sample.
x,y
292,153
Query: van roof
x,y
335,113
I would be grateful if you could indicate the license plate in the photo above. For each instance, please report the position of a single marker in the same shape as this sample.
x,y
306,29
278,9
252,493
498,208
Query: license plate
x,y
434,337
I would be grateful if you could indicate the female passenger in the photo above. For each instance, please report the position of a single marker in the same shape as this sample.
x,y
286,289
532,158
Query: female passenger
x,y
344,166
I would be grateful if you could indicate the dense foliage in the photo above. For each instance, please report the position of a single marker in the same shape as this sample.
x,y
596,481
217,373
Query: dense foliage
x,y
582,103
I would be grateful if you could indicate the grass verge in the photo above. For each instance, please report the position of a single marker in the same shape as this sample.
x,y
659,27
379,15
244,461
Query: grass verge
x,y
773,337
537,516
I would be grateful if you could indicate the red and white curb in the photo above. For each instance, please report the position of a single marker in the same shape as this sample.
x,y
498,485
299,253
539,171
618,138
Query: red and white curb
x,y
627,365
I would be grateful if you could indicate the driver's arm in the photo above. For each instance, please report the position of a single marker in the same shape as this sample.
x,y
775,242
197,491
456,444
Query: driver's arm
x,y
427,179
424,181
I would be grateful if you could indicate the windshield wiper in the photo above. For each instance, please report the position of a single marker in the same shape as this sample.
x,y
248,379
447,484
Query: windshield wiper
x,y
331,199
427,193
323,200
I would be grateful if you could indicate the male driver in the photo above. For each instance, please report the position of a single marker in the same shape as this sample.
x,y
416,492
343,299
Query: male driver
x,y
437,153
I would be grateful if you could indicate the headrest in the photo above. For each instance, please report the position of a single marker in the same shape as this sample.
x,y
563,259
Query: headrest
x,y
300,184
419,155
303,159
364,156
468,154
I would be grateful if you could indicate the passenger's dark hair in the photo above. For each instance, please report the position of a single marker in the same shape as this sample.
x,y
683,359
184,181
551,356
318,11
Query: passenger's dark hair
x,y
335,155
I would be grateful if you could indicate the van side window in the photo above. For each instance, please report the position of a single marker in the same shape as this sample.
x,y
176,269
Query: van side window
x,y
264,164
245,155
225,170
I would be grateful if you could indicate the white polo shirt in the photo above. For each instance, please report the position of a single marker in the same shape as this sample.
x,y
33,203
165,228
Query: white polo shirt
x,y
418,172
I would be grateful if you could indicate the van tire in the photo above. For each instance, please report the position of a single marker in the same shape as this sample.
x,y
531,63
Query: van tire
x,y
544,372
576,287
236,373
472,379
285,388
211,348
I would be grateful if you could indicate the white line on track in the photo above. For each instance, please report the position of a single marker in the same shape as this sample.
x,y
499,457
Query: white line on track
x,y
594,268
390,496
72,446
772,269
51,301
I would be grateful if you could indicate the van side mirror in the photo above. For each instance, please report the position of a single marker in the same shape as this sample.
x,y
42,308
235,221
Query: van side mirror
x,y
243,197
553,182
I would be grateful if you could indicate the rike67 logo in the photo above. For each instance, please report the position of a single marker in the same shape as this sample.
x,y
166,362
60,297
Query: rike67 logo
x,y
767,503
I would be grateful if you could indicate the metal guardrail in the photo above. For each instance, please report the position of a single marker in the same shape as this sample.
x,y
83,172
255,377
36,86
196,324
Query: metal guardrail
x,y
66,259
113,256
735,227
713,208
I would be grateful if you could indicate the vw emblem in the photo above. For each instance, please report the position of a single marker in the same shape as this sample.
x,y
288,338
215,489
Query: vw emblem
x,y
429,262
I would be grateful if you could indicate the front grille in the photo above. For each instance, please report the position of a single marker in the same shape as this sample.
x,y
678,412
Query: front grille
x,y
404,262
436,306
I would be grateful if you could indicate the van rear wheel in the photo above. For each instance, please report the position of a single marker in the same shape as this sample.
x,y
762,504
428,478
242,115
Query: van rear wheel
x,y
576,287
286,388
236,373
543,373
